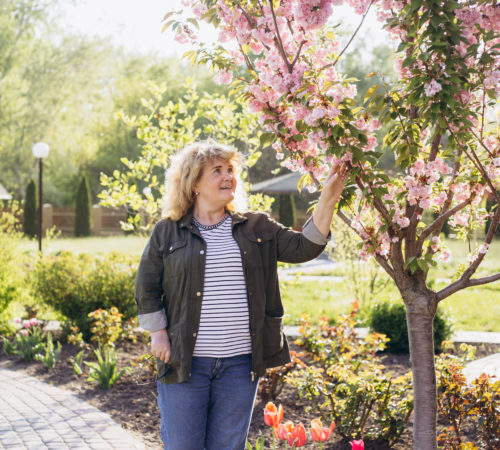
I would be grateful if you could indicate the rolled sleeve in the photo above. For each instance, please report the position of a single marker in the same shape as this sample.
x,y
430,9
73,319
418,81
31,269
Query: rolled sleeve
x,y
149,286
153,321
311,232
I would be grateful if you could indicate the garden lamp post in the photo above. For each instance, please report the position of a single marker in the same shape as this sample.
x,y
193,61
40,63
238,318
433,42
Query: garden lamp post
x,y
40,151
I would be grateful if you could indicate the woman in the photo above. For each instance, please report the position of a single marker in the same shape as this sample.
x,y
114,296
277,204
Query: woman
x,y
207,291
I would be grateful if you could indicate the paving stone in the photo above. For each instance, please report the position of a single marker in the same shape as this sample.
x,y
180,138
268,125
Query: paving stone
x,y
35,415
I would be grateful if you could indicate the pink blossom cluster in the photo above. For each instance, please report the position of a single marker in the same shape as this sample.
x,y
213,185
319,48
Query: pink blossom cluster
x,y
286,46
432,88
421,183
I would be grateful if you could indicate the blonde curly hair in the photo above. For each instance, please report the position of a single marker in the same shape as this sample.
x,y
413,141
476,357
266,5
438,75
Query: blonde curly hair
x,y
186,168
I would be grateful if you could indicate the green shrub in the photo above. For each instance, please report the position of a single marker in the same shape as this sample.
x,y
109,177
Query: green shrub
x,y
11,275
460,401
83,208
30,225
346,382
390,319
76,285
288,216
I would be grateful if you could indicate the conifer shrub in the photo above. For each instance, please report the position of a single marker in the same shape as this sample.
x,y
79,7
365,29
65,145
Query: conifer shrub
x,y
288,216
30,226
83,209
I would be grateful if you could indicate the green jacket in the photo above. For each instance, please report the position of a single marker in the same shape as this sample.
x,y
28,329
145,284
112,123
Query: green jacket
x,y
169,285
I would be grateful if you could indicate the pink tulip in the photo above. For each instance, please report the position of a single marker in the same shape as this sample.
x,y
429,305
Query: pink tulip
x,y
357,445
17,320
26,324
34,322
24,332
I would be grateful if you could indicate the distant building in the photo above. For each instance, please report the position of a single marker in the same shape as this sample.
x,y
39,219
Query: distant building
x,y
284,184
4,195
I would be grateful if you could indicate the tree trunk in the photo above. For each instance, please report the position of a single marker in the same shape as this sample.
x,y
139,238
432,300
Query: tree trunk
x,y
419,316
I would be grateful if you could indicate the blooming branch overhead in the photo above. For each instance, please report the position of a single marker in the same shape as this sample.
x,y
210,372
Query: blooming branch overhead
x,y
282,57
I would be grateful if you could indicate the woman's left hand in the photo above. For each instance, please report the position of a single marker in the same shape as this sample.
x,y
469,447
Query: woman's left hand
x,y
334,183
330,195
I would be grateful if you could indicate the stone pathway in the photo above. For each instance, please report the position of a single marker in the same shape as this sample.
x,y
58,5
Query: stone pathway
x,y
36,415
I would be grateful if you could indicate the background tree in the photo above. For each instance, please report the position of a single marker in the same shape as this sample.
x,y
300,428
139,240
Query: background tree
x,y
287,213
169,126
446,152
83,208
30,211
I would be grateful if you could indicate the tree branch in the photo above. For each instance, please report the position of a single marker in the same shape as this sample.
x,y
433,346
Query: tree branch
x,y
350,40
380,259
436,225
279,43
484,280
465,281
298,53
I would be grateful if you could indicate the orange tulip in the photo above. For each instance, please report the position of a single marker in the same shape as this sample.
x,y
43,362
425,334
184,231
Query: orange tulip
x,y
298,436
357,445
319,433
273,416
285,430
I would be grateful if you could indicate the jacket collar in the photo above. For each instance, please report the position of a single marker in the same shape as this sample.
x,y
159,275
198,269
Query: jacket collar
x,y
185,221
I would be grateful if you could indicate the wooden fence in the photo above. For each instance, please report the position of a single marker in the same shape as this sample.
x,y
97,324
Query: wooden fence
x,y
105,221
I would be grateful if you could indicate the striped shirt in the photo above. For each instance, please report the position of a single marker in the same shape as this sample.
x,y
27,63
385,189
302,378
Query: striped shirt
x,y
224,323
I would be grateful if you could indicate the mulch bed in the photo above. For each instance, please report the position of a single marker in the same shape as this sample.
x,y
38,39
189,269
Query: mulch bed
x,y
133,405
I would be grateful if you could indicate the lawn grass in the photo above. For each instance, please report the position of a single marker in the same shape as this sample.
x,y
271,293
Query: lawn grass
x,y
132,245
473,309
476,308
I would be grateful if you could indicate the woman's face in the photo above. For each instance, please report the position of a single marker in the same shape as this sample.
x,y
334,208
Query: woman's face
x,y
217,184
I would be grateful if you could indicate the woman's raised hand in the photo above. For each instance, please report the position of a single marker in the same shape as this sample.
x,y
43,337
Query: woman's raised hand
x,y
334,183
330,195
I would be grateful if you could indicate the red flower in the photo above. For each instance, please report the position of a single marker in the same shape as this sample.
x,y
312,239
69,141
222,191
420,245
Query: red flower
x,y
318,432
273,416
357,445
298,436
285,431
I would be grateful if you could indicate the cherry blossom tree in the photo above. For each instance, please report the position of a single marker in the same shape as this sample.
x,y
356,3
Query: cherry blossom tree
x,y
282,55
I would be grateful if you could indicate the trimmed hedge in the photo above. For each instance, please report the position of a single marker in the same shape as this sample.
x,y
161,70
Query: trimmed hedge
x,y
390,319
76,285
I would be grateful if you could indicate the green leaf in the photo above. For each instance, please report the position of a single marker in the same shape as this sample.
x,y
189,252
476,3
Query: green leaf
x,y
408,262
371,91
267,139
422,264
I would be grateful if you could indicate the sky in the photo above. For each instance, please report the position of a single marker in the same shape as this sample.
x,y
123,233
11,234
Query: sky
x,y
136,24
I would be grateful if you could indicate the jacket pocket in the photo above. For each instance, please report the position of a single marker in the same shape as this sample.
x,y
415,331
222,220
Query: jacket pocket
x,y
273,335
260,237
176,259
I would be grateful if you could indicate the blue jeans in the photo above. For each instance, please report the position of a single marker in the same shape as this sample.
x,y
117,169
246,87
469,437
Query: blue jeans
x,y
212,410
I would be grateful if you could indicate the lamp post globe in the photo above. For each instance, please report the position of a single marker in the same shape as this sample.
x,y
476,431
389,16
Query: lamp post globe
x,y
40,151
